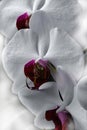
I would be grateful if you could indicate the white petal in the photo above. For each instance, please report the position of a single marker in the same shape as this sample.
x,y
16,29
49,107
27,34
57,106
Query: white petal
x,y
82,92
9,12
65,85
21,49
64,51
50,4
78,113
47,85
63,13
36,100
19,82
40,120
40,23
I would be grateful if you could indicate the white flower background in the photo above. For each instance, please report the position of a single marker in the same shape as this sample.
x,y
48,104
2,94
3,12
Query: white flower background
x,y
13,116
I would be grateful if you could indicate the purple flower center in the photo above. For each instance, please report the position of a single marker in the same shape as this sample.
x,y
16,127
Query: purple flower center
x,y
38,72
23,21
61,120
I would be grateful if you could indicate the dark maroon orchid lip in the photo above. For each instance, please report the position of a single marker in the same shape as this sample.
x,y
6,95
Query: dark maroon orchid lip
x,y
23,21
61,120
38,72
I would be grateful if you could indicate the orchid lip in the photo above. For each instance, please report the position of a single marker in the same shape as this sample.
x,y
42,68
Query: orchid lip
x,y
23,21
38,72
61,119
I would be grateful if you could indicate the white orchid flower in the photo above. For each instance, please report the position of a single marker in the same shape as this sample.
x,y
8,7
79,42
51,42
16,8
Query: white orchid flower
x,y
35,69
41,15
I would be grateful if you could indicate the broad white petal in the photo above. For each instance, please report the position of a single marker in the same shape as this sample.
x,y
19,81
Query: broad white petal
x,y
9,12
36,100
64,51
65,85
63,13
19,82
82,92
21,49
40,23
50,4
